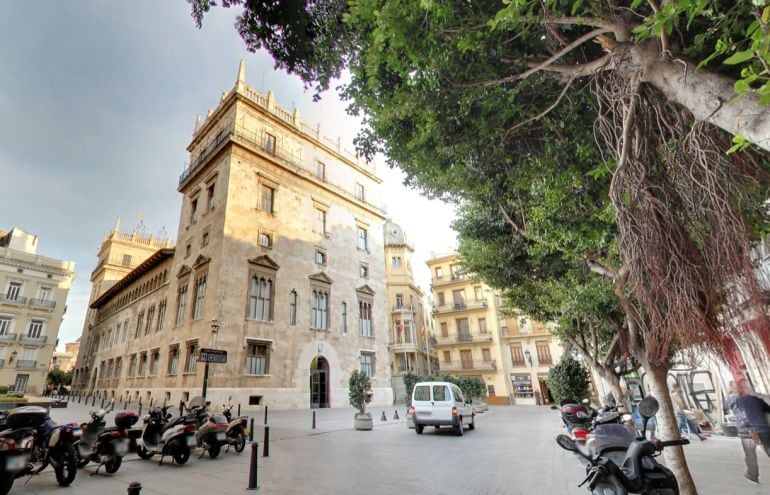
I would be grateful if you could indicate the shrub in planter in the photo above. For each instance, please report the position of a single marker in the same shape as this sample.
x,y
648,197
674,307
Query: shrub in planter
x,y
3,389
568,380
360,394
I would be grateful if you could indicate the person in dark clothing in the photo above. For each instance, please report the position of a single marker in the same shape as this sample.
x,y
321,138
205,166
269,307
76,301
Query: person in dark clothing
x,y
751,412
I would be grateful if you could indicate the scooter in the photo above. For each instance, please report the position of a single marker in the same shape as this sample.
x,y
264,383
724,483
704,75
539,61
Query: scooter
x,y
638,472
162,436
212,428
32,441
102,445
237,429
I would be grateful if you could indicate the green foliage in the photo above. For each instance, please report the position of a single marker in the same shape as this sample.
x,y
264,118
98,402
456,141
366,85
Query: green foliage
x,y
568,380
472,387
359,390
12,399
3,389
57,378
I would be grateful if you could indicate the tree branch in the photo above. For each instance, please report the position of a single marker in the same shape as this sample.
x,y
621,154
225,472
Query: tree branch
x,y
597,267
541,114
579,70
620,31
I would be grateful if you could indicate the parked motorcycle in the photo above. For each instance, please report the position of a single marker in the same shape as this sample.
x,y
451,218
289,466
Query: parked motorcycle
x,y
581,420
161,435
32,441
212,428
638,472
102,445
237,429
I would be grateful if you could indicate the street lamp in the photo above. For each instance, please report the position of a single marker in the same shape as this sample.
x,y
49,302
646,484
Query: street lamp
x,y
214,332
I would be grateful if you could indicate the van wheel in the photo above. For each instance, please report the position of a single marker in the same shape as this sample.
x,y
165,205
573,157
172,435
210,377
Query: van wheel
x,y
472,426
418,429
459,427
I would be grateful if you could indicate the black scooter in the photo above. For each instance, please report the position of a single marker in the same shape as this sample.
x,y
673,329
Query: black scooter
x,y
639,472
104,445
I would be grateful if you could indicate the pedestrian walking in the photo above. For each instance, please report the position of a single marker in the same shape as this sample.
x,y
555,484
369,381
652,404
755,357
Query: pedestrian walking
x,y
752,423
684,417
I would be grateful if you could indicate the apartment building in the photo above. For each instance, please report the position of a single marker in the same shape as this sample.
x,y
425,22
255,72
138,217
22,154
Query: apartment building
x,y
32,304
279,262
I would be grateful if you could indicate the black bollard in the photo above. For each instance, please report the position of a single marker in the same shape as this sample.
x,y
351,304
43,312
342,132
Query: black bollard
x,y
251,430
239,409
395,415
314,420
93,403
102,406
134,488
266,443
253,468
265,414
383,418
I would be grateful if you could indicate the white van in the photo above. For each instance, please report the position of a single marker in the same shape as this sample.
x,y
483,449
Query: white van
x,y
440,404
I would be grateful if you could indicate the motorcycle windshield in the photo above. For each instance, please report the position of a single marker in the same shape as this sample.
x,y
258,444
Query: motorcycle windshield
x,y
613,437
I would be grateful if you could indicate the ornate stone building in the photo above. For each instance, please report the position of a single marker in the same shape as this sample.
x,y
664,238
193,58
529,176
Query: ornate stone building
x,y
32,304
279,261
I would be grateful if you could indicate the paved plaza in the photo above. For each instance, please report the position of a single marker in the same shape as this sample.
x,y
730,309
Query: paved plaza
x,y
512,451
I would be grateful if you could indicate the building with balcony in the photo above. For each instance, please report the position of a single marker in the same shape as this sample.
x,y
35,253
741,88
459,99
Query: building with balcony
x,y
65,360
467,333
32,303
410,335
529,350
278,261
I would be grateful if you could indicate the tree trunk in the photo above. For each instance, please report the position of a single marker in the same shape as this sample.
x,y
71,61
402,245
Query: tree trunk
x,y
667,429
708,95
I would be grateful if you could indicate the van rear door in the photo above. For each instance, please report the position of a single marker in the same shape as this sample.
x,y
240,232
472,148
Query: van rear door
x,y
421,401
442,402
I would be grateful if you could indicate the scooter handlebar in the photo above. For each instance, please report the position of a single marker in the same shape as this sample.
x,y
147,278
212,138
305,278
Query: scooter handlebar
x,y
672,443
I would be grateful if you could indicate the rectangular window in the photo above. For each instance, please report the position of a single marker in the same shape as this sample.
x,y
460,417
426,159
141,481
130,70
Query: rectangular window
x,y
154,361
454,270
320,257
268,195
447,356
367,364
257,358
265,240
441,300
320,221
399,301
44,294
293,299
344,318
543,352
14,291
491,390
269,143
194,210
143,364
132,365
438,272
362,242
210,196
458,296
139,323
126,260
444,329
320,170
466,360
522,386
200,297
35,329
360,192
150,320
173,360
463,331
5,325
482,325
319,314
261,298
440,393
161,314
126,326
181,304
478,293
422,393
118,367
486,355
191,360
363,270
365,318
517,354
395,261
205,239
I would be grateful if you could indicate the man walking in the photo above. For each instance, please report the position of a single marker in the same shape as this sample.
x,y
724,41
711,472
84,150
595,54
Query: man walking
x,y
750,413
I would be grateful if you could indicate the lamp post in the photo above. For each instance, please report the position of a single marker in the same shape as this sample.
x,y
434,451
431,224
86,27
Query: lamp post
x,y
214,331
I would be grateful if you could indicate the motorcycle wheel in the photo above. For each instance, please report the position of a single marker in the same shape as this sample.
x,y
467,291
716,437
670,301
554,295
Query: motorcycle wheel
x,y
214,450
113,465
143,452
67,466
240,443
181,455
5,484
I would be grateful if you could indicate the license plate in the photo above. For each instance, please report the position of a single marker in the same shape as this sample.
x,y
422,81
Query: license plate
x,y
16,463
121,448
220,436
245,432
191,442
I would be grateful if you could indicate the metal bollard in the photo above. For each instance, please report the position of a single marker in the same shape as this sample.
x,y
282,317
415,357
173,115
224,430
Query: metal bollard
x,y
140,410
134,488
102,406
266,443
251,430
93,403
314,420
239,409
253,467
265,414
151,399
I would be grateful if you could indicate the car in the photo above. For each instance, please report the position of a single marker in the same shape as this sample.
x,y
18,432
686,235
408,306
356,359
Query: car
x,y
441,404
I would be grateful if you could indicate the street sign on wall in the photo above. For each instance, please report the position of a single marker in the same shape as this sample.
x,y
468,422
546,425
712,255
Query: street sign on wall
x,y
212,356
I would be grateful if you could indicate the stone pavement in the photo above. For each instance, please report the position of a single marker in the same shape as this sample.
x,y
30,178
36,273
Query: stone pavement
x,y
512,451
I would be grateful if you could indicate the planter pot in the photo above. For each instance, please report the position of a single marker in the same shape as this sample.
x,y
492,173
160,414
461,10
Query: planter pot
x,y
363,421
409,421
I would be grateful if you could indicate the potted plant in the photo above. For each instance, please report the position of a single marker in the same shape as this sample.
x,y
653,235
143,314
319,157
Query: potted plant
x,y
360,394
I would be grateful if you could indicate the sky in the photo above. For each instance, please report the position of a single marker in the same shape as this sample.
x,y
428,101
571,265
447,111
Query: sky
x,y
98,102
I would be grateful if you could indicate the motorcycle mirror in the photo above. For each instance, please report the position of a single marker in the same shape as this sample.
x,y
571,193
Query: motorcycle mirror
x,y
627,417
586,401
555,408
648,406
566,443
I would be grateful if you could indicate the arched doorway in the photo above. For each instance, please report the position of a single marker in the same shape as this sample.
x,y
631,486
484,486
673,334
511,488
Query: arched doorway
x,y
319,383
